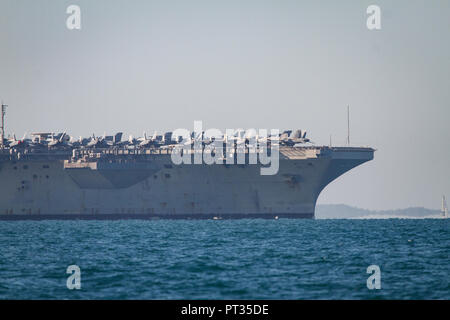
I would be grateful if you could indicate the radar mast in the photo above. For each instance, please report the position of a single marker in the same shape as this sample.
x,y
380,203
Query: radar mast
x,y
3,112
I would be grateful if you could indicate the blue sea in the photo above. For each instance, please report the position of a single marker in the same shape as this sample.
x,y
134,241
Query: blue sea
x,y
226,259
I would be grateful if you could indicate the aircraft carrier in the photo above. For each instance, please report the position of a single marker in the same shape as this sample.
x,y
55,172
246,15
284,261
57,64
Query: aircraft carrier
x,y
54,176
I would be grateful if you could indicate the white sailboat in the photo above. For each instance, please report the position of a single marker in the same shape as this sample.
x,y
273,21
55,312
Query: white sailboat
x,y
444,209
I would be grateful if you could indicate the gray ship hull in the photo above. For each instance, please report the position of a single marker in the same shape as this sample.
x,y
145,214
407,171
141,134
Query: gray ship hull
x,y
153,187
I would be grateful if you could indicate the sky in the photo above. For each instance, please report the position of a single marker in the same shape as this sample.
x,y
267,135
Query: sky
x,y
138,66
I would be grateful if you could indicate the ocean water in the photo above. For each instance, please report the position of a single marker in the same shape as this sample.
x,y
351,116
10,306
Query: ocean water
x,y
225,259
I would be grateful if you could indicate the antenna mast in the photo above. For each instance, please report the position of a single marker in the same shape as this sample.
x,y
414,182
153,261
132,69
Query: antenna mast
x,y
348,125
3,111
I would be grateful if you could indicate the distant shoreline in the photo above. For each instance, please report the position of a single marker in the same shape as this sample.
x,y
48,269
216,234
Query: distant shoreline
x,y
342,211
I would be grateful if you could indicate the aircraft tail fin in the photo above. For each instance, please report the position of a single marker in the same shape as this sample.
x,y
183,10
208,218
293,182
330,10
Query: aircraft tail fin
x,y
118,137
62,136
